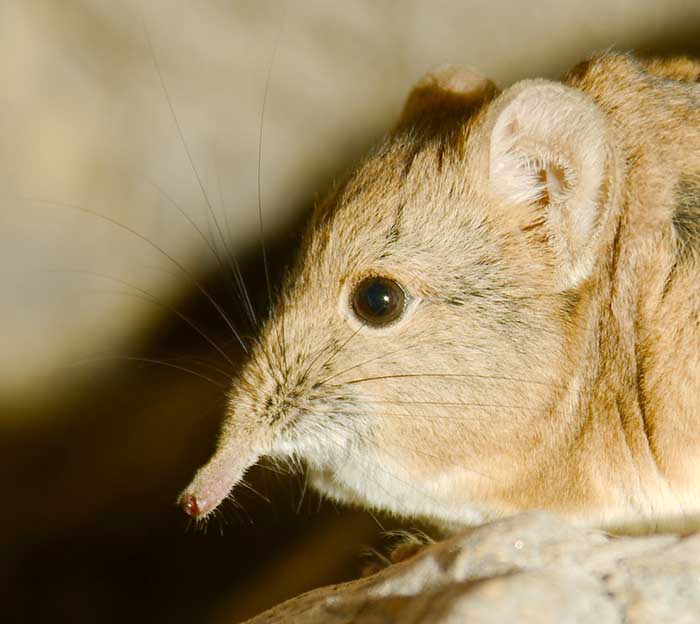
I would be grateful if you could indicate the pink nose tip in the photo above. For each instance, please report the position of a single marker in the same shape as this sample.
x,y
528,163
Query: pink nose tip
x,y
189,505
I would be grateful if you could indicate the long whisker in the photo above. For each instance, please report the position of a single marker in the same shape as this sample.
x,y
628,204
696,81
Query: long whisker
x,y
161,251
263,248
451,375
369,361
250,488
232,263
302,494
238,507
442,417
148,296
161,191
145,360
176,121
234,266
203,363
333,354
195,171
271,467
224,373
268,79
171,200
457,404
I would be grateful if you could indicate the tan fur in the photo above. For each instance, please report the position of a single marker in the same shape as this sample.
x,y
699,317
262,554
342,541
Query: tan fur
x,y
550,357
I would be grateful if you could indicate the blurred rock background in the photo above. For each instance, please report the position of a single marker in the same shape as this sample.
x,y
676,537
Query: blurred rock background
x,y
95,438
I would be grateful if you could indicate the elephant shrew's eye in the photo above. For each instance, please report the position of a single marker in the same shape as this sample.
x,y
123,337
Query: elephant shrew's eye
x,y
378,301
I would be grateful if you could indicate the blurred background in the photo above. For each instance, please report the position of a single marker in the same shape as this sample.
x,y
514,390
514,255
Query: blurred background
x,y
129,160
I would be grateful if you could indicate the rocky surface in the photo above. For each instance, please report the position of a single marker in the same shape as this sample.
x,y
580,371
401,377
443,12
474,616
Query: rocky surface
x,y
529,568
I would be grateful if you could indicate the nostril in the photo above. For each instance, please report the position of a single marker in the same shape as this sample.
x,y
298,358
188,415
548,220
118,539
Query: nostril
x,y
190,506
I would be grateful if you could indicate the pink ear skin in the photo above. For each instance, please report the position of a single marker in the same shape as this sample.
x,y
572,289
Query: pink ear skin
x,y
550,149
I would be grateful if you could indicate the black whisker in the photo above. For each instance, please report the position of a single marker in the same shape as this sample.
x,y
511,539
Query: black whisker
x,y
151,298
186,149
457,404
189,219
266,267
451,375
160,250
234,267
433,417
232,263
180,133
333,354
145,360
369,361
202,363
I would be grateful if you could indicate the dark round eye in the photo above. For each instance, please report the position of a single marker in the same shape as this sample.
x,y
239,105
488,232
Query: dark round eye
x,y
378,301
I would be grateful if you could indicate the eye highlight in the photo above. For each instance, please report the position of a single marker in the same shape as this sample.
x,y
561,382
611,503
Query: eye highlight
x,y
378,301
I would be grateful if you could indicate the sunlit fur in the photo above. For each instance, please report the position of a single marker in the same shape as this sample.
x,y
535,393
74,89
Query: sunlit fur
x,y
549,357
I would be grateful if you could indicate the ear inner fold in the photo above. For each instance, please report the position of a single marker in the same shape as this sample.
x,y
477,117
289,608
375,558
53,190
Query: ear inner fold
x,y
549,149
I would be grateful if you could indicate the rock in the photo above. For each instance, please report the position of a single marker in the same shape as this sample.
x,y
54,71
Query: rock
x,y
528,568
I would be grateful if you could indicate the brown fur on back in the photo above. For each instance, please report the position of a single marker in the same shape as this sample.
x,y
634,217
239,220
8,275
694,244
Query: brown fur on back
x,y
653,344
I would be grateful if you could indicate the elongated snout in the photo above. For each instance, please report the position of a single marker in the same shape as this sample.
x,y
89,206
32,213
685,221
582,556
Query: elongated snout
x,y
217,478
259,402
